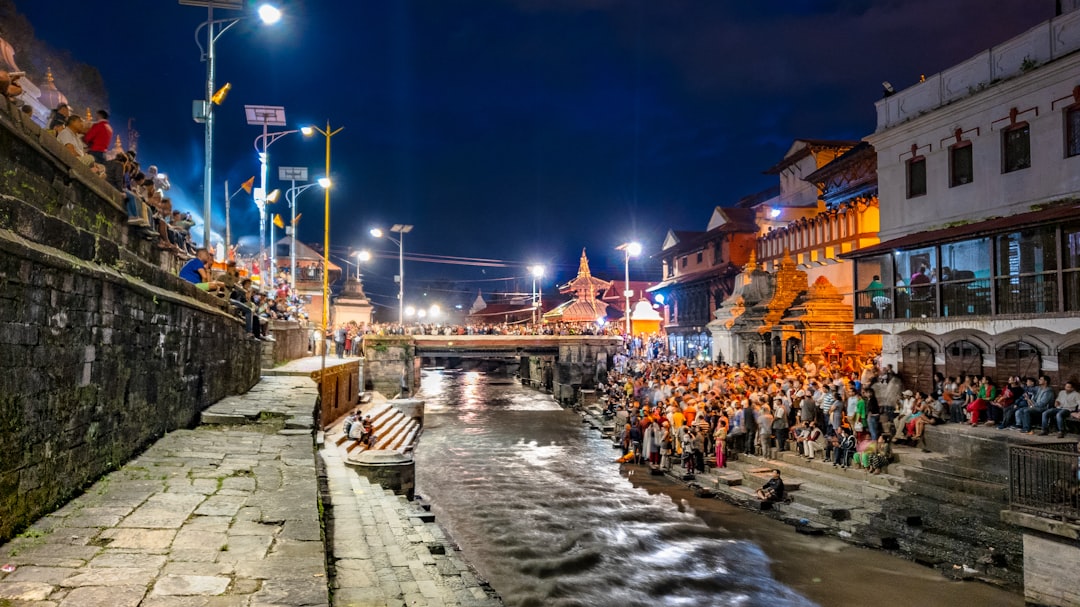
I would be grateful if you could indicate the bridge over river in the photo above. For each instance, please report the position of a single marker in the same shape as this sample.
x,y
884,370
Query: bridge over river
x,y
560,363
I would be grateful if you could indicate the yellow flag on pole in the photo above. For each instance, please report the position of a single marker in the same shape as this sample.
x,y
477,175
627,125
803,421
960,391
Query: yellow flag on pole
x,y
247,185
278,222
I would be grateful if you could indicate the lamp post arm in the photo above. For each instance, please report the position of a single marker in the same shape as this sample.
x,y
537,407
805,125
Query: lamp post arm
x,y
270,138
213,37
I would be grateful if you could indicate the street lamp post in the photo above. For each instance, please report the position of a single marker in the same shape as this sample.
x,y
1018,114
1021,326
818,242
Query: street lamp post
x,y
401,230
325,183
360,256
631,249
204,109
266,116
291,195
292,175
538,295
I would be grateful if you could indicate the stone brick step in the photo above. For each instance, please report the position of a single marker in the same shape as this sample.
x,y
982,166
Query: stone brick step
x,y
337,430
406,538
824,474
797,512
944,467
741,496
993,491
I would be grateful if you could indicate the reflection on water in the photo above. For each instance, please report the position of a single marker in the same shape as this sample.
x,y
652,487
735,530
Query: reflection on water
x,y
539,508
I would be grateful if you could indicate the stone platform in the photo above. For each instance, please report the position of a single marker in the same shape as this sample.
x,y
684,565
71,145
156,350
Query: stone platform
x,y
211,516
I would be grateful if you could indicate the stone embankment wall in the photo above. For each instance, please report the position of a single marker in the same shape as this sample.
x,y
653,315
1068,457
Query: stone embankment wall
x,y
290,343
103,349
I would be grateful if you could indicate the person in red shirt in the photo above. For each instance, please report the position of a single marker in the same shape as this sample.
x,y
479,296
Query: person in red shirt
x,y
99,137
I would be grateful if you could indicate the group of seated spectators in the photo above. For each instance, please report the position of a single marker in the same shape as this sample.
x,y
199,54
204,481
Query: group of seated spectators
x,y
1021,404
149,210
672,411
257,305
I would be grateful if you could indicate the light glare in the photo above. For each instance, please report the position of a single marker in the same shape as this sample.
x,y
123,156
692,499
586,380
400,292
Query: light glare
x,y
269,14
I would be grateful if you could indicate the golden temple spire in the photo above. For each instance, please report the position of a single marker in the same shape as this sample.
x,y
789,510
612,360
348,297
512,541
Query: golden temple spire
x,y
751,264
583,267
48,75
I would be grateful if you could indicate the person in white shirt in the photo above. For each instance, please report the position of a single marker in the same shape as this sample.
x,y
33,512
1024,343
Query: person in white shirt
x,y
71,137
1068,402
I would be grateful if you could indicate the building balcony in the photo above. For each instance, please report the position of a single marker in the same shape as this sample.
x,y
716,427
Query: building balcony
x,y
1021,295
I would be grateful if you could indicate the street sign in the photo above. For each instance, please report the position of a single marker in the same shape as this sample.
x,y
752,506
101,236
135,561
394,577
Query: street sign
x,y
236,5
292,174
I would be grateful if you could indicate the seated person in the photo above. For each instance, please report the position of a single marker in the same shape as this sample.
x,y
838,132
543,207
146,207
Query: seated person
x,y
196,271
773,489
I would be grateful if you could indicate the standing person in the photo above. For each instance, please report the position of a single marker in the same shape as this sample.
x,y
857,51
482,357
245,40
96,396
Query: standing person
x,y
765,423
873,413
750,426
339,341
666,446
99,137
720,438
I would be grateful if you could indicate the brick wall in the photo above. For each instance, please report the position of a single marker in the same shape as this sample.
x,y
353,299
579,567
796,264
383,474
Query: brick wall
x,y
102,348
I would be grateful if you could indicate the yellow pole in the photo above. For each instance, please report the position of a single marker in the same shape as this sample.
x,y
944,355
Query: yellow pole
x,y
326,256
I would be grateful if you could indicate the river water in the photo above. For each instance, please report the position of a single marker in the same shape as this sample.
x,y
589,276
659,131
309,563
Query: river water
x,y
539,507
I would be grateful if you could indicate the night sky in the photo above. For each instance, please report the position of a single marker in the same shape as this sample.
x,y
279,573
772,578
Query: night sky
x,y
518,130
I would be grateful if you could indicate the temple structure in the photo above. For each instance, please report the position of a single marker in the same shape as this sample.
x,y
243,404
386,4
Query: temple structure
x,y
352,305
826,206
586,307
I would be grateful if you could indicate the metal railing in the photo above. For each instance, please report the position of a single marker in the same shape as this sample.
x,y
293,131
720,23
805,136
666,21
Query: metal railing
x,y
1044,480
1027,294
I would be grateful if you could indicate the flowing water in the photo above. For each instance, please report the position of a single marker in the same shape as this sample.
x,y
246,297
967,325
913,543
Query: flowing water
x,y
537,504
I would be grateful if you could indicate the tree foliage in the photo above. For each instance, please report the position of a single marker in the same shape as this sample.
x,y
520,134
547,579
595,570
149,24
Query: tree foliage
x,y
81,83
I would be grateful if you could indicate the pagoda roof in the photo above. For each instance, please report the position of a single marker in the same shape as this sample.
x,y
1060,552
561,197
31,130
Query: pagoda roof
x,y
305,253
585,282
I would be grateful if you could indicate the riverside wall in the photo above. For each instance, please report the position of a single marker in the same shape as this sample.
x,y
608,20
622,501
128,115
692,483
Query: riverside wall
x,y
103,349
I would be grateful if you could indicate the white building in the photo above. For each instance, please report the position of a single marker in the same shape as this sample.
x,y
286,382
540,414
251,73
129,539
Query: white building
x,y
979,184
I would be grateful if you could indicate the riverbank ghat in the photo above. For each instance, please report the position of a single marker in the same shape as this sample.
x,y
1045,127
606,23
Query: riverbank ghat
x,y
103,348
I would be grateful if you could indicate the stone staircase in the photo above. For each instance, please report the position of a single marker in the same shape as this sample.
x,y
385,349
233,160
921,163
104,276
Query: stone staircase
x,y
928,507
394,430
925,508
388,550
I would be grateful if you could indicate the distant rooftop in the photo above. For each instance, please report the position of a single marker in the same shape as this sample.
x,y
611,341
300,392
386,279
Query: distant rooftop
x,y
1039,45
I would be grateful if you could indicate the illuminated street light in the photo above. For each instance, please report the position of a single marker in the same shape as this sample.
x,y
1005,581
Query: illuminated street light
x,y
266,116
325,183
538,295
632,249
401,230
360,256
410,311
204,108
269,14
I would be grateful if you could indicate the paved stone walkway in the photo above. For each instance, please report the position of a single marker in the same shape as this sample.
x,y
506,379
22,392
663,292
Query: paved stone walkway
x,y
389,552
227,515
204,518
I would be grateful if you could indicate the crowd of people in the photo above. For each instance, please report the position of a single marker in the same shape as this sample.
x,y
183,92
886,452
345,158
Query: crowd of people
x,y
258,305
149,209
670,411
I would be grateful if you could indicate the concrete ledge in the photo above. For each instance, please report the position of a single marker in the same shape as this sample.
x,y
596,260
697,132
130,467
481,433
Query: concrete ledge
x,y
1041,524
209,417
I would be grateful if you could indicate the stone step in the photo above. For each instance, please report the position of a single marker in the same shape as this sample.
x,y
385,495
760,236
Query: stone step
x,y
993,491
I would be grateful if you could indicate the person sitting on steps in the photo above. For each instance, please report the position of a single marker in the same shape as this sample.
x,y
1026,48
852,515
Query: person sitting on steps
x,y
772,490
